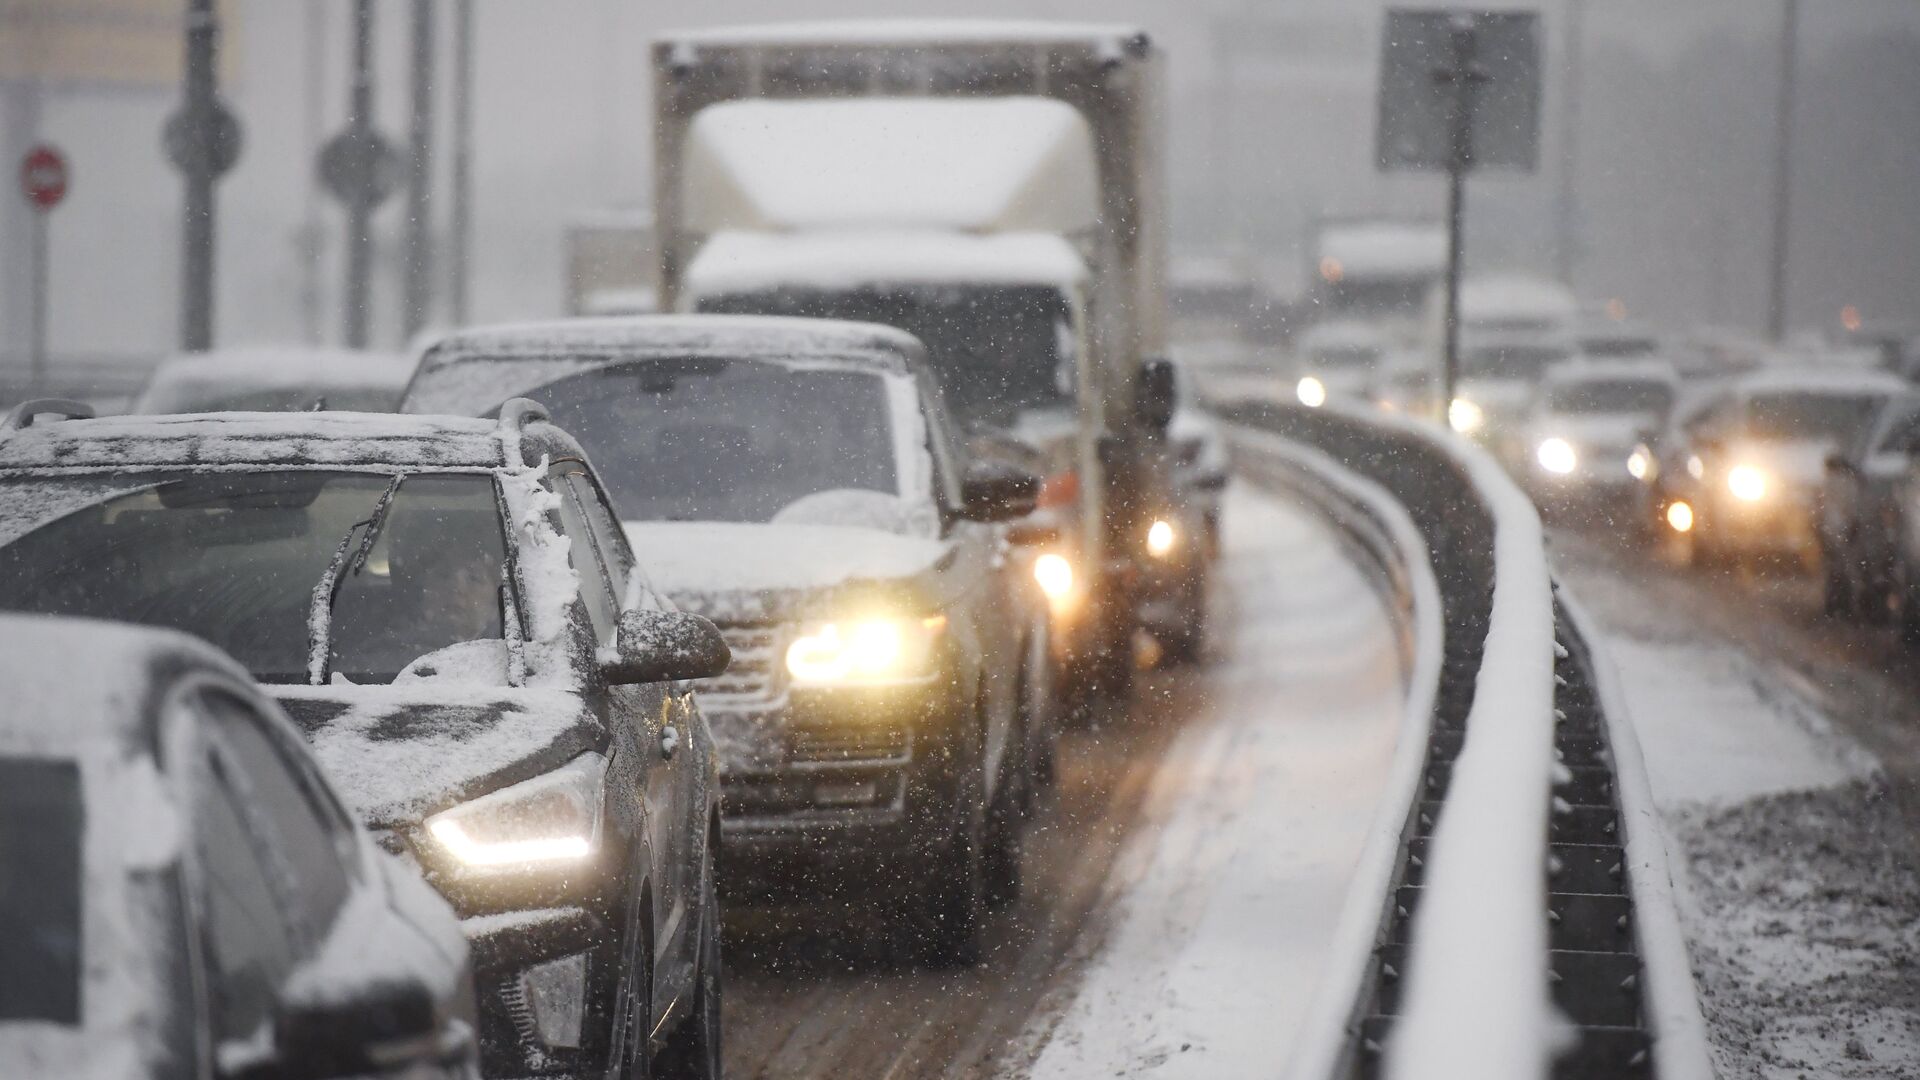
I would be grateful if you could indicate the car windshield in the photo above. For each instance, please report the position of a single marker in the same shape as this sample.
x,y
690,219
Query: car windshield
x,y
1621,348
1611,396
41,836
1509,361
1810,417
997,350
715,440
1345,357
235,557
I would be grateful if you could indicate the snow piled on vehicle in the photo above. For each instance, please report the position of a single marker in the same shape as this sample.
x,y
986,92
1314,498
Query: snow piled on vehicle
x,y
209,440
686,558
190,383
738,261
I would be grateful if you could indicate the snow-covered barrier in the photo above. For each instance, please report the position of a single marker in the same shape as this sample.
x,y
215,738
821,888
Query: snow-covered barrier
x,y
1527,926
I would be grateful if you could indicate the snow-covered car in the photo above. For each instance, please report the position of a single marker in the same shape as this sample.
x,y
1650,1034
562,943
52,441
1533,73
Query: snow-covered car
x,y
1749,464
1338,360
1859,516
450,611
1512,329
1588,419
183,893
275,379
797,481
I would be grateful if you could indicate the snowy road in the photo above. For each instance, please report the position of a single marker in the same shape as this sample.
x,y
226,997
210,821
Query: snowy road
x,y
1784,753
1182,884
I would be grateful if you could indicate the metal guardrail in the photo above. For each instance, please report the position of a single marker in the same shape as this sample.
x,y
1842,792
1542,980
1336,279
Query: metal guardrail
x,y
1528,777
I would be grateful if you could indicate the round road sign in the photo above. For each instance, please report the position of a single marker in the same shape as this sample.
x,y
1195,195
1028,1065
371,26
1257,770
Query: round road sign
x,y
43,177
221,145
359,167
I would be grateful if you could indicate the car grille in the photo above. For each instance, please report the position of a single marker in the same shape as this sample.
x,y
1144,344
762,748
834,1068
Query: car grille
x,y
850,742
756,673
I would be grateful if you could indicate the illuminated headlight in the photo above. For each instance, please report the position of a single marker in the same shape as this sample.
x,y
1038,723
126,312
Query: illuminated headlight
x,y
1557,456
1747,483
1054,573
1639,463
549,819
1680,517
1160,539
882,649
1465,417
1695,467
1311,392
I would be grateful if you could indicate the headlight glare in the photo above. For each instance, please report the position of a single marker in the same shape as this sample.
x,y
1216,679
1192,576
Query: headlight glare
x,y
1639,463
1557,456
1311,392
1054,572
1680,517
1747,483
550,818
875,649
1465,417
1160,539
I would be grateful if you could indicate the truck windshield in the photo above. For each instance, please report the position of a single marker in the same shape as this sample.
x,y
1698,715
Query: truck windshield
x,y
997,350
1809,417
1611,396
234,558
708,439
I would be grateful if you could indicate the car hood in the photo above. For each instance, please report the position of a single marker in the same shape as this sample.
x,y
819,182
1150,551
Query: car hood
x,y
732,571
399,753
1613,431
1801,462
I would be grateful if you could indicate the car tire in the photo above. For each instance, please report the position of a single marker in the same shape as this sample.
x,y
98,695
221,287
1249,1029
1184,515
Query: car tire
x,y
948,911
693,1051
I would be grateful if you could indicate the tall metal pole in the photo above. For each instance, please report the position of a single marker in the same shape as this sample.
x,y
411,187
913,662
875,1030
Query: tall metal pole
x,y
37,333
1462,76
1567,210
312,129
461,224
1783,172
359,211
198,152
418,286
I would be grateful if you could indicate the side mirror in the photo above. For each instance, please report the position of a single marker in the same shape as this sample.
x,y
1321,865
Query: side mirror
x,y
665,646
356,1033
996,492
1153,394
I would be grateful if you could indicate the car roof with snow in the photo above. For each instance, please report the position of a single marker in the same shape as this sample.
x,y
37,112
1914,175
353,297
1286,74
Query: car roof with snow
x,y
272,440
915,32
1588,369
474,370
272,367
1837,381
73,681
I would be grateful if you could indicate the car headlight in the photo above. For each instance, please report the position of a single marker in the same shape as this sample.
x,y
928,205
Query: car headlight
x,y
1747,483
1557,456
1680,516
1695,467
1465,417
879,649
1639,463
1311,392
1054,573
548,819
1160,539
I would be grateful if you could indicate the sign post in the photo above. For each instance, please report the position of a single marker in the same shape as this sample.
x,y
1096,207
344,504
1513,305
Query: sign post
x,y
1459,91
43,180
358,166
202,139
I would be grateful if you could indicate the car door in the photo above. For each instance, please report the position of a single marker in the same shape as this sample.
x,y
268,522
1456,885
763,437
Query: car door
x,y
659,726
273,862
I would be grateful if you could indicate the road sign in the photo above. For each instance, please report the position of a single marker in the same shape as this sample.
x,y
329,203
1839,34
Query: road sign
x,y
1498,81
222,142
359,167
43,177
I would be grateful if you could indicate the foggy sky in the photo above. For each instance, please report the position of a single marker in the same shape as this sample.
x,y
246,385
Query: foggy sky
x,y
1673,151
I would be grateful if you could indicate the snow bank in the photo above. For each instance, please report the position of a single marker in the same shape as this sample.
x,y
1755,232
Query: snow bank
x,y
987,164
735,261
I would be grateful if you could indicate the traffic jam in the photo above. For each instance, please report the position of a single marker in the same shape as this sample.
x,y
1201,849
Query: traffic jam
x,y
898,577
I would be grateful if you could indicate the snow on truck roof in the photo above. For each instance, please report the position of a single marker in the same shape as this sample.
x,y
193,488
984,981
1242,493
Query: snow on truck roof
x,y
211,440
1497,295
1830,381
744,261
981,164
924,33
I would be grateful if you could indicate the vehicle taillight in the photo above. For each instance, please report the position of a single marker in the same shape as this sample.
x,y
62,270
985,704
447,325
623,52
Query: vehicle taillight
x,y
1059,490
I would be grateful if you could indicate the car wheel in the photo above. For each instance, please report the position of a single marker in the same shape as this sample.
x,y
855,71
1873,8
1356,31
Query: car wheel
x,y
693,1052
624,972
949,910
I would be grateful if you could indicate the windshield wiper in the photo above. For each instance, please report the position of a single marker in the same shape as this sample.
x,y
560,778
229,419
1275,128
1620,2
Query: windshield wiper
x,y
327,590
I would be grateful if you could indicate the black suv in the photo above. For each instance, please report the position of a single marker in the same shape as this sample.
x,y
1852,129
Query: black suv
x,y
798,480
229,895
450,611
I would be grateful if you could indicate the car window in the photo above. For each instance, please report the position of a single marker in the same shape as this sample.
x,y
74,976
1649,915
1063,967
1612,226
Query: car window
x,y
629,580
42,827
596,588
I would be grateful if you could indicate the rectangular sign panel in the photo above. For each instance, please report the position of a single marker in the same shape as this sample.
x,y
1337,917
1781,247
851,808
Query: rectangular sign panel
x,y
1493,57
